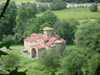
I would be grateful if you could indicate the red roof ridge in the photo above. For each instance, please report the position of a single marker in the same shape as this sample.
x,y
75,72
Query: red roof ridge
x,y
63,40
56,35
38,46
30,39
52,39
48,43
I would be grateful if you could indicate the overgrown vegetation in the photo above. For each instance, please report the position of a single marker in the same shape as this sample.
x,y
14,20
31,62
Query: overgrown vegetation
x,y
93,8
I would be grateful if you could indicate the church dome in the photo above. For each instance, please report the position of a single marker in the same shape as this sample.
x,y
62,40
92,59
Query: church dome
x,y
48,28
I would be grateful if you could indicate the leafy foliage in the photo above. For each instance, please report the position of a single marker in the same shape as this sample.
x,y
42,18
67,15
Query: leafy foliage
x,y
8,23
50,59
58,5
10,60
93,8
65,30
73,61
42,7
49,17
87,36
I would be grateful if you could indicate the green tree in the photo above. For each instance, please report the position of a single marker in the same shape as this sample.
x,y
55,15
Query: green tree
x,y
93,8
43,26
42,7
21,20
58,5
49,17
50,59
32,5
10,59
87,36
8,23
73,61
74,24
8,38
64,29
94,60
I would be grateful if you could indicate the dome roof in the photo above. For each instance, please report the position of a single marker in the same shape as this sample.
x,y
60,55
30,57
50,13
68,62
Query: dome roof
x,y
48,28
58,41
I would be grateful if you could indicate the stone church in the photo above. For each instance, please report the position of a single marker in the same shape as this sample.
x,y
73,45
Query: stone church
x,y
36,43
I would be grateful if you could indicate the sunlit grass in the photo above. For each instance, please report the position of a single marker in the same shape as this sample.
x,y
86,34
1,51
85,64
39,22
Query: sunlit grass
x,y
16,51
80,14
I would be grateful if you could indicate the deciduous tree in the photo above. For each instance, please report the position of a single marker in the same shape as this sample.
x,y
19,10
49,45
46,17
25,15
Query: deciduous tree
x,y
87,36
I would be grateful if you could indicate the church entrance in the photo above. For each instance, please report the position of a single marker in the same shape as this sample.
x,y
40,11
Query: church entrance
x,y
33,53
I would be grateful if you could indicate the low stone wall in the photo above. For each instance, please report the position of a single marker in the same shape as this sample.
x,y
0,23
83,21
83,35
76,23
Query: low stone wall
x,y
24,54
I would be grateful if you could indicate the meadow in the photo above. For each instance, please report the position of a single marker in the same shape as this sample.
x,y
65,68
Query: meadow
x,y
80,14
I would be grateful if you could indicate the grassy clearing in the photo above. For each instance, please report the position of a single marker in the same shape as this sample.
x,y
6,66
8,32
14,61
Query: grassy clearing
x,y
80,14
23,60
16,0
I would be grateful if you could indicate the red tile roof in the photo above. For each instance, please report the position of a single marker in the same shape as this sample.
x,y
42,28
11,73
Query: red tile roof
x,y
48,43
52,38
30,39
44,39
55,35
37,35
33,34
38,46
63,40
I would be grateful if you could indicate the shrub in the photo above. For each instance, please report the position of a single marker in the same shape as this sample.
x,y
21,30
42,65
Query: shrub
x,y
8,38
93,8
58,5
10,60
42,8
50,59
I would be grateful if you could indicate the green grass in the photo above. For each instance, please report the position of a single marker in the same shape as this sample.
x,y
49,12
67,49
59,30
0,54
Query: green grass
x,y
16,0
70,46
80,14
23,60
17,46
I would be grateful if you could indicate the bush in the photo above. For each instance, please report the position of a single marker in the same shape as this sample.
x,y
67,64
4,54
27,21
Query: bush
x,y
8,38
58,5
11,60
50,59
93,8
42,8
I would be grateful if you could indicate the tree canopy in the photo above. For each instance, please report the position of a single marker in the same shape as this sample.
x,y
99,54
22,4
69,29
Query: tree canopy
x,y
8,23
87,36
65,30
73,61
